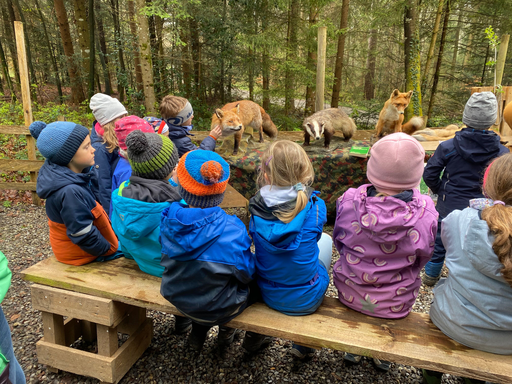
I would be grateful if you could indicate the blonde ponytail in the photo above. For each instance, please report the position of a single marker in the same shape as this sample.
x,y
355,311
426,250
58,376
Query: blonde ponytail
x,y
285,164
109,136
498,186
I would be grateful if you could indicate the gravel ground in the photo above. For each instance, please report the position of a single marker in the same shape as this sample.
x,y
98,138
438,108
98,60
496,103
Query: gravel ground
x,y
24,239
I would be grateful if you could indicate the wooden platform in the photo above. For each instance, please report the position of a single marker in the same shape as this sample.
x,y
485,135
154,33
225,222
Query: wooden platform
x,y
412,341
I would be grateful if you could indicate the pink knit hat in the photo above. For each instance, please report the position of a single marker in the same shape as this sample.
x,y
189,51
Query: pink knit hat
x,y
396,163
128,124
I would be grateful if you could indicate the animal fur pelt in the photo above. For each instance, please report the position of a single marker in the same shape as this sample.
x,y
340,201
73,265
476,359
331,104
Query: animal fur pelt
x,y
326,122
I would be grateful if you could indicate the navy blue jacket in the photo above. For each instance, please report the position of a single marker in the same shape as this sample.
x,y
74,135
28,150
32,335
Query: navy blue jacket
x,y
180,137
105,163
463,160
71,201
208,263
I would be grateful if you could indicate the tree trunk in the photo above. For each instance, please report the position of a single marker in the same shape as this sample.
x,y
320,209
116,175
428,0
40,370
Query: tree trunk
x,y
122,80
8,19
185,60
311,60
5,70
164,84
412,59
155,61
456,45
77,92
291,52
265,61
439,62
430,55
369,79
50,50
92,53
196,50
102,48
84,41
136,54
338,68
467,55
145,60
485,64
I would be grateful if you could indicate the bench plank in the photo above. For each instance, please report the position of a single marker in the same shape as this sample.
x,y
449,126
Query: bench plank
x,y
414,340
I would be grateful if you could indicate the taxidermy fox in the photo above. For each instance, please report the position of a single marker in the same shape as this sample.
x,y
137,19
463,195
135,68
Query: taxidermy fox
x,y
326,122
234,117
392,115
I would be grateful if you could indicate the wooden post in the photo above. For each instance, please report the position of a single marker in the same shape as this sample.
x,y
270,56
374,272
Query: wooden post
x,y
320,69
502,55
27,104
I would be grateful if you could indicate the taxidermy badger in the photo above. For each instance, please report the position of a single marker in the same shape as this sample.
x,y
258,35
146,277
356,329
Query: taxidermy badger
x,y
326,122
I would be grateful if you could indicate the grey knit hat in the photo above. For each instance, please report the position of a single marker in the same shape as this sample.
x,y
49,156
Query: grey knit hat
x,y
480,111
151,156
106,108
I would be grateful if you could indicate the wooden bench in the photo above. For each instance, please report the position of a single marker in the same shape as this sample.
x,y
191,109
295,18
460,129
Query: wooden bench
x,y
111,297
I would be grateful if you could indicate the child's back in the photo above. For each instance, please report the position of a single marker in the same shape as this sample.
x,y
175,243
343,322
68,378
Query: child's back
x,y
139,202
385,232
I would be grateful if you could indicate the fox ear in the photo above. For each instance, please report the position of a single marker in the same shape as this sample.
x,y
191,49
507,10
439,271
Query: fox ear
x,y
238,109
219,113
409,94
395,93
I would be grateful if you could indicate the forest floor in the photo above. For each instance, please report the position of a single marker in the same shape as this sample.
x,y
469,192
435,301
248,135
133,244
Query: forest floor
x,y
24,239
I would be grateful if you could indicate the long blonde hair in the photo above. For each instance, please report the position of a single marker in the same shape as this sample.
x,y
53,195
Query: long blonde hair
x,y
286,164
109,135
498,186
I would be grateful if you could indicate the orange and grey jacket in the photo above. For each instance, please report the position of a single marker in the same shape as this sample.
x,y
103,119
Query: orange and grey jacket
x,y
80,230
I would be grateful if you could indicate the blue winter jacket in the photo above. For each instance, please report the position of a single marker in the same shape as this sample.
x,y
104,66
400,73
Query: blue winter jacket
x,y
105,163
137,225
289,274
180,137
464,160
122,173
208,263
474,304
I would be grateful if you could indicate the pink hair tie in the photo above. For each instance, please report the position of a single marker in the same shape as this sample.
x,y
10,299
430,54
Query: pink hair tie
x,y
268,161
498,202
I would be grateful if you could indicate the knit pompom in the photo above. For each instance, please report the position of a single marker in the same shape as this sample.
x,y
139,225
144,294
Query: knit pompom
x,y
36,127
212,171
136,142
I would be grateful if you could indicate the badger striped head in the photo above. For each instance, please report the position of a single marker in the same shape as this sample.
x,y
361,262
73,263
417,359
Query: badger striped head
x,y
315,129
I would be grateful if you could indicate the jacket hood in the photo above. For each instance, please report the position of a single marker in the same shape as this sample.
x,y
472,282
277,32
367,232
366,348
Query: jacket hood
x,y
386,219
478,246
150,190
193,230
53,177
137,218
179,131
276,235
477,146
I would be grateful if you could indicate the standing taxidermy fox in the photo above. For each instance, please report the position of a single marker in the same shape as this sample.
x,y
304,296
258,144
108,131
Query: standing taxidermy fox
x,y
392,115
234,117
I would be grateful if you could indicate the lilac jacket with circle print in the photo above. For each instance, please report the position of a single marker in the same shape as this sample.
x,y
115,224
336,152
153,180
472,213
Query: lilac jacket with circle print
x,y
383,243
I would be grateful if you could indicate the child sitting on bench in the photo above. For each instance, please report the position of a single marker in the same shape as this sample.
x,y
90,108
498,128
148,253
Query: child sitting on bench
x,y
474,304
80,230
206,252
287,219
384,233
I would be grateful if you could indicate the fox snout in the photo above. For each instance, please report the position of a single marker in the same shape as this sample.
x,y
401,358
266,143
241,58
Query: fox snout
x,y
400,112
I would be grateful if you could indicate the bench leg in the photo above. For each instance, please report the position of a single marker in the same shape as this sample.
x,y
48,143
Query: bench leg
x,y
107,340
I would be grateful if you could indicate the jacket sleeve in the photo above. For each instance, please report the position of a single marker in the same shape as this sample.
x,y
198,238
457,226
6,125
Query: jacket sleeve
x,y
104,174
184,145
435,166
5,276
246,264
79,222
208,144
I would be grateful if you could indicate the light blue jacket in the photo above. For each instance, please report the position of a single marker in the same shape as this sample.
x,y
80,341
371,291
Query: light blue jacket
x,y
290,276
137,225
474,304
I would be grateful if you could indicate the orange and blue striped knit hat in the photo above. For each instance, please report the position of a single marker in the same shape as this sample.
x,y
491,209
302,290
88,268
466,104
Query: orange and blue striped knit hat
x,y
202,177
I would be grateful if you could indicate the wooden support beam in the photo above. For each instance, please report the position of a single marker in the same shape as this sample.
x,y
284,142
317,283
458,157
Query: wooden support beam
x,y
19,186
107,340
7,165
27,105
53,328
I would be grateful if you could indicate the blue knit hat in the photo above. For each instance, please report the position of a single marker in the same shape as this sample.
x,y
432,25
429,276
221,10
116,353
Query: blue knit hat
x,y
203,177
58,141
